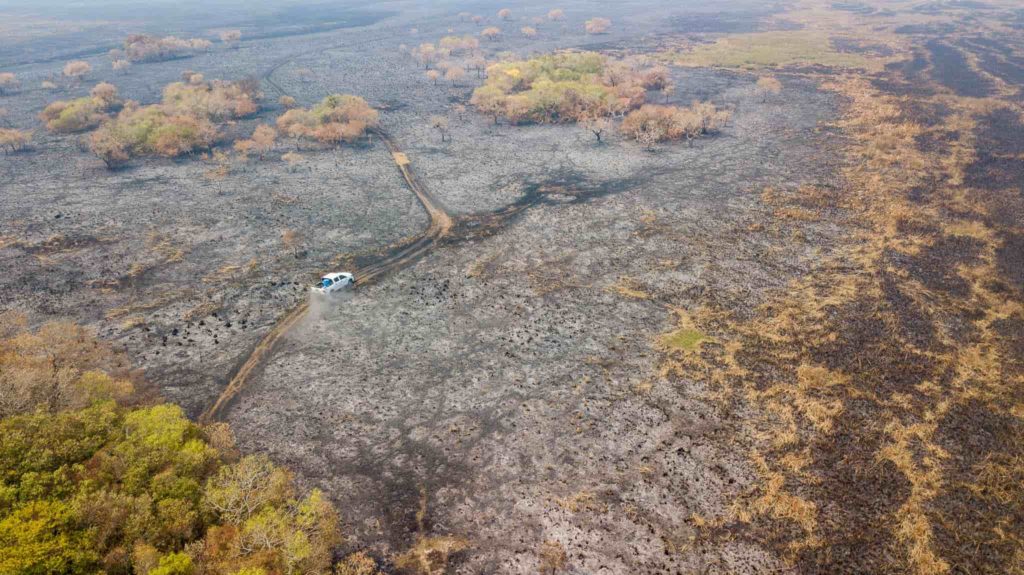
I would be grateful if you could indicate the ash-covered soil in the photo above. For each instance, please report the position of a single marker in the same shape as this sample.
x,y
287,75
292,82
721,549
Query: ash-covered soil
x,y
513,379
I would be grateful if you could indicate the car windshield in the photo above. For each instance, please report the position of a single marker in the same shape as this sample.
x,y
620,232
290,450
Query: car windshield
x,y
327,282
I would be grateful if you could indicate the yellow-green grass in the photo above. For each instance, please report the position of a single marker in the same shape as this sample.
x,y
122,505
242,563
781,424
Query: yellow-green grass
x,y
773,50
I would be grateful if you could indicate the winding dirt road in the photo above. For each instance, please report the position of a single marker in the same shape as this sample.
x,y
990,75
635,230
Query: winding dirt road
x,y
441,224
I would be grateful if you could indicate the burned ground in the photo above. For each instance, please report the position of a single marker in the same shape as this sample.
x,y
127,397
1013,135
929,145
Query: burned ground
x,y
794,345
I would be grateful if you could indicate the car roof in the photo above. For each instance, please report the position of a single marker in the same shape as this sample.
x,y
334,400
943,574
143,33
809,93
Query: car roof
x,y
336,275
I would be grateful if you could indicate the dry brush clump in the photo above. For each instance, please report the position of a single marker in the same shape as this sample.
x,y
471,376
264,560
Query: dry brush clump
x,y
13,140
231,38
652,123
563,87
182,123
8,82
261,142
767,86
76,70
597,25
145,48
337,118
66,117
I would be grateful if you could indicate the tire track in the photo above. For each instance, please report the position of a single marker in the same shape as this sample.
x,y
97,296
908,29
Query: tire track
x,y
441,224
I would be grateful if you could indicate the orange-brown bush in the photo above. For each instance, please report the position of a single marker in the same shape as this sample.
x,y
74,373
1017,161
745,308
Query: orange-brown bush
x,y
8,82
337,118
652,123
76,69
231,37
597,25
12,140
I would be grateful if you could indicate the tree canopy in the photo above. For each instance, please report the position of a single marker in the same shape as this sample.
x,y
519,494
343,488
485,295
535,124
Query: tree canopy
x,y
90,484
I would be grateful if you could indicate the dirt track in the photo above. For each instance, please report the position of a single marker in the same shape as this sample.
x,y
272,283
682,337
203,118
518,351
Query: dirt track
x,y
440,226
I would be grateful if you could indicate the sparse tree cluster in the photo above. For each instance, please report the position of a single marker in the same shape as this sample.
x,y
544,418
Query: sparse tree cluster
x,y
458,45
146,48
66,117
651,123
182,123
231,37
337,118
597,25
214,100
8,82
450,58
563,88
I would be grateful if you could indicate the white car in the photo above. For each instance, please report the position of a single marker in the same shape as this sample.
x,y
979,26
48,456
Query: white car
x,y
337,281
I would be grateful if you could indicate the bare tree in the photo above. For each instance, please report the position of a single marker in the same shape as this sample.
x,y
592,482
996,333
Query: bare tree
x,y
597,125
504,14
556,14
490,33
767,85
454,74
292,241
528,31
433,75
440,123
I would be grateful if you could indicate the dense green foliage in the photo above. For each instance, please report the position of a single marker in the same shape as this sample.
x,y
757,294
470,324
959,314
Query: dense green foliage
x,y
90,485
80,114
562,87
